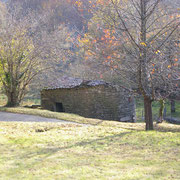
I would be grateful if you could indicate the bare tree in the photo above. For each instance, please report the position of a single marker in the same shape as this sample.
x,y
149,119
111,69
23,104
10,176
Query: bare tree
x,y
137,34
27,49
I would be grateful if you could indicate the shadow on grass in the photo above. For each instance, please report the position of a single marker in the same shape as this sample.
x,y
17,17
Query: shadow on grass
x,y
158,128
43,154
47,152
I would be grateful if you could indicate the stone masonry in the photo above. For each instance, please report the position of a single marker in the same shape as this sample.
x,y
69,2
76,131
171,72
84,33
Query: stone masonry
x,y
93,99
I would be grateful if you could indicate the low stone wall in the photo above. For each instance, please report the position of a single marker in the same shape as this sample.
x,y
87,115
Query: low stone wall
x,y
102,102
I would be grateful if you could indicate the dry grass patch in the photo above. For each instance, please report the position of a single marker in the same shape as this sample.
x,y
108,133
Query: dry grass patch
x,y
109,150
165,127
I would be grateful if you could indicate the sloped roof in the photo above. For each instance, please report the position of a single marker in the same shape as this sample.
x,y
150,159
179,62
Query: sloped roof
x,y
69,83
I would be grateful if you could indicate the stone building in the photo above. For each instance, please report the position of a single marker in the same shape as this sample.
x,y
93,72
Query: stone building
x,y
94,99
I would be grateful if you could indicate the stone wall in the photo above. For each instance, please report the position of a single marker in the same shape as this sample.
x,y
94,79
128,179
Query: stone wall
x,y
102,102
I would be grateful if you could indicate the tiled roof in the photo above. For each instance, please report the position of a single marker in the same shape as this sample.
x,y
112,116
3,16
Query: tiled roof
x,y
69,83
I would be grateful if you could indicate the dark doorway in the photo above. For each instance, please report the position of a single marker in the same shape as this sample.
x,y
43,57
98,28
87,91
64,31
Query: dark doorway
x,y
59,107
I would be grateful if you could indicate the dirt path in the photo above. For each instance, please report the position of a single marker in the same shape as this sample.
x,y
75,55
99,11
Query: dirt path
x,y
8,117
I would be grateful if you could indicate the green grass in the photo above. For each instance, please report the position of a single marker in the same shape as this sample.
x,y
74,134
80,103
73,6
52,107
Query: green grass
x,y
110,150
102,150
155,109
28,101
31,101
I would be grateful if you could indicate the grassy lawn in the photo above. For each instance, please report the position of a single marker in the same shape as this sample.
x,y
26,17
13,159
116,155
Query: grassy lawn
x,y
110,150
100,150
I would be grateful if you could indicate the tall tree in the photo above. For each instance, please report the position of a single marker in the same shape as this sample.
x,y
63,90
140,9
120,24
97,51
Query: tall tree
x,y
131,37
27,48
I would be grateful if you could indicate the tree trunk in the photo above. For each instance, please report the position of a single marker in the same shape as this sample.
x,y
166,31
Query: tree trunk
x,y
134,111
161,110
12,100
173,109
143,76
148,113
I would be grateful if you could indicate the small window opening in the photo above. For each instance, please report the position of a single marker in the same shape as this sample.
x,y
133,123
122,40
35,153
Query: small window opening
x,y
59,107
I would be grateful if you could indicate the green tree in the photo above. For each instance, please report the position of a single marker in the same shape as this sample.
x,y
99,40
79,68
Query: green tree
x,y
27,48
18,64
